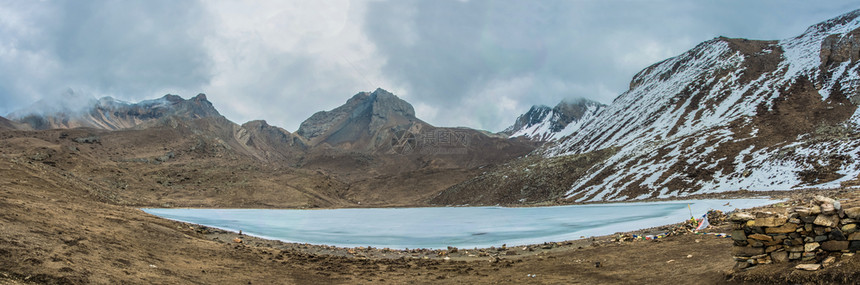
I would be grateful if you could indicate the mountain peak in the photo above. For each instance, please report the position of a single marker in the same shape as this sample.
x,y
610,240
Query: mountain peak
x,y
542,123
578,101
722,115
382,91
365,114
109,113
841,24
172,98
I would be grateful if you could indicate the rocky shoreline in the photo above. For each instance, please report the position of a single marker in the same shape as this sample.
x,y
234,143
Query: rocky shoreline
x,y
239,240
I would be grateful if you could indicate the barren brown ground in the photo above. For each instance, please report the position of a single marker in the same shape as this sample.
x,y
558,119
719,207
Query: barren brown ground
x,y
63,220
57,234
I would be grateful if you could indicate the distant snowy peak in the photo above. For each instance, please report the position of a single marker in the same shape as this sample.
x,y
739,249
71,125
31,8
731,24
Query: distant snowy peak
x,y
532,124
542,123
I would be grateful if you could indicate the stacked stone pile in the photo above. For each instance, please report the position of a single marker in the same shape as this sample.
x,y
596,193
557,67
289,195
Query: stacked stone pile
x,y
815,235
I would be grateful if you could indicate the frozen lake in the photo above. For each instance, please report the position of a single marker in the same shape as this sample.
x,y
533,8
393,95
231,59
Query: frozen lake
x,y
463,227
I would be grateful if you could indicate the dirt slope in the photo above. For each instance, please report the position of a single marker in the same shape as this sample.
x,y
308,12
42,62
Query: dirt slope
x,y
58,234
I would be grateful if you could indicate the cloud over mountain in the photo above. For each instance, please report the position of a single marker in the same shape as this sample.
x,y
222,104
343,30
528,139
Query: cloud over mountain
x,y
473,63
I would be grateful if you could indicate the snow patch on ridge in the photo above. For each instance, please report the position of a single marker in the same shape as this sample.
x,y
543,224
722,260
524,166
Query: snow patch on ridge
x,y
680,112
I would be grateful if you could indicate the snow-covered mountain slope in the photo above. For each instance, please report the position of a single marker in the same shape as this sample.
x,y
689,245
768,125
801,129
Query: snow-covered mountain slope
x,y
542,123
731,114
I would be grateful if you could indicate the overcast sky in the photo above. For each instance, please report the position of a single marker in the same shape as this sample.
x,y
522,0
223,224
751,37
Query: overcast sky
x,y
460,63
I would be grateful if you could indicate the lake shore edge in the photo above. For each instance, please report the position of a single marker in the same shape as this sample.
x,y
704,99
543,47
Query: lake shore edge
x,y
239,239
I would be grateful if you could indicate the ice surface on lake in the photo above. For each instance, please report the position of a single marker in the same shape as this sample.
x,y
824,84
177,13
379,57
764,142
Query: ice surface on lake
x,y
463,227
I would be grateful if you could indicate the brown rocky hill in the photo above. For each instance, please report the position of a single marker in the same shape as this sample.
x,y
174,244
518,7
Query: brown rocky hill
x,y
376,144
729,114
367,122
167,166
371,151
7,124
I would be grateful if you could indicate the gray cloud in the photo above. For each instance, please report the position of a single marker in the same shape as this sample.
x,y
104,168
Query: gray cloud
x,y
461,63
482,60
130,50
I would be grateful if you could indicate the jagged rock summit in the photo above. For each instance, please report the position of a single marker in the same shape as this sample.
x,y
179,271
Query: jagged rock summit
x,y
542,123
111,114
367,120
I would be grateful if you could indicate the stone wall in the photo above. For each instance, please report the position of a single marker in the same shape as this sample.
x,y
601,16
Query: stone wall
x,y
813,235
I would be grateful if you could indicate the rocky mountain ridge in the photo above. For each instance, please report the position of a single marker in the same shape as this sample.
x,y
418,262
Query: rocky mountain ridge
x,y
542,123
729,114
366,121
373,144
111,114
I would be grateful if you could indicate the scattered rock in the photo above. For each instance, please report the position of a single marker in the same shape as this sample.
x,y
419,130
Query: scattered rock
x,y
853,213
808,267
794,255
743,217
828,261
773,221
779,256
815,210
835,245
836,234
820,200
826,220
760,237
738,235
747,251
772,248
828,209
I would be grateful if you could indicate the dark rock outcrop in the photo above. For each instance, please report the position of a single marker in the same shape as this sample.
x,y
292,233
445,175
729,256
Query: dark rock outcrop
x,y
838,48
367,121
